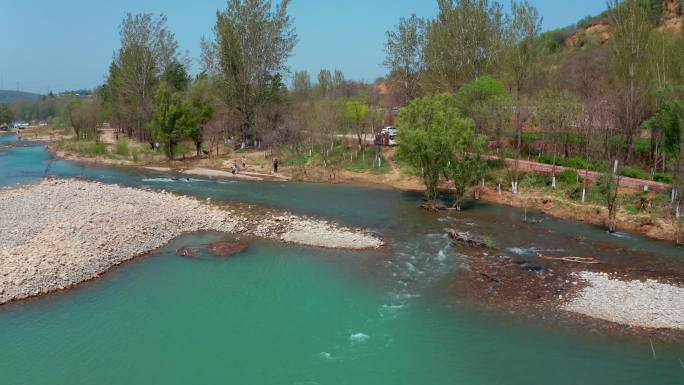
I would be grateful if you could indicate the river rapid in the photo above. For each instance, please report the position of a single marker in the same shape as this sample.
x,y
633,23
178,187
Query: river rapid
x,y
280,314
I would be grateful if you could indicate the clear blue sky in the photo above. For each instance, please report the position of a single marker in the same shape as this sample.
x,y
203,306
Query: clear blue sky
x,y
68,44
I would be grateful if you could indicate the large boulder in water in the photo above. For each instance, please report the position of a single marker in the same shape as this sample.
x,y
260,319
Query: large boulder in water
x,y
226,249
467,239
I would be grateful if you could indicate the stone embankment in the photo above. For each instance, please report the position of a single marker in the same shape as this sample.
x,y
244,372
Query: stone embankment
x,y
542,168
59,233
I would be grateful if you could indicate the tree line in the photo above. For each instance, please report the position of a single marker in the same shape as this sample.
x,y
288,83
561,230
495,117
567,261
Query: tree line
x,y
476,81
609,104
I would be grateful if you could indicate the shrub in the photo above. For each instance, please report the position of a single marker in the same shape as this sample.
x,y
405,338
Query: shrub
x,y
496,164
574,193
547,159
568,177
642,145
121,148
632,172
662,177
533,180
93,149
578,163
528,137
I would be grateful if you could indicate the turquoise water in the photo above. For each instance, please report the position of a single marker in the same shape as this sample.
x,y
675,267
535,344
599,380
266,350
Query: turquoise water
x,y
288,315
7,137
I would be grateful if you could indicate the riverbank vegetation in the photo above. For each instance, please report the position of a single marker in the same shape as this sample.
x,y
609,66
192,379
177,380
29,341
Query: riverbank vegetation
x,y
604,95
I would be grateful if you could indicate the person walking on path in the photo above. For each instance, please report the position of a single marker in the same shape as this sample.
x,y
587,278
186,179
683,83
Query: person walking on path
x,y
234,168
275,165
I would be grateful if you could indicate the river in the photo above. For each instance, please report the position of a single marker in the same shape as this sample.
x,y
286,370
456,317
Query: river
x,y
280,314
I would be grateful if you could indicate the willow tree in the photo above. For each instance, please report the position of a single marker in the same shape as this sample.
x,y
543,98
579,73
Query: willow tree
x,y
83,116
171,118
253,39
487,102
430,129
466,166
355,113
147,49
200,106
463,43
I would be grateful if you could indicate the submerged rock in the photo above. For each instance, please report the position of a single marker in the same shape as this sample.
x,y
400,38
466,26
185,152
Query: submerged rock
x,y
188,252
434,206
226,249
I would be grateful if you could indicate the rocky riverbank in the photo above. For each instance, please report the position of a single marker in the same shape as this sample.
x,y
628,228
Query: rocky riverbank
x,y
655,227
641,296
648,304
59,233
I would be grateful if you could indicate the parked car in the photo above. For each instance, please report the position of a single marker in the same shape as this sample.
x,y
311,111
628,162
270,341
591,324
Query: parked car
x,y
387,137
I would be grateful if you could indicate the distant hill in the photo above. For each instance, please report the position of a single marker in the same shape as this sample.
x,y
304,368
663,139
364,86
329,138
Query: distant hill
x,y
667,15
7,96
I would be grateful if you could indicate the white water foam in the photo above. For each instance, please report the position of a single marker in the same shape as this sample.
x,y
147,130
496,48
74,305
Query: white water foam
x,y
390,311
621,235
358,338
522,250
532,250
441,256
159,180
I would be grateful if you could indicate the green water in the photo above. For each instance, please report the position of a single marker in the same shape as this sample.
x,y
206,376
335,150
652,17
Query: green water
x,y
287,315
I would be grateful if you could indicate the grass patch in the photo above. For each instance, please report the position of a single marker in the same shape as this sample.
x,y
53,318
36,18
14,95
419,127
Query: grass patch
x,y
121,148
375,164
82,147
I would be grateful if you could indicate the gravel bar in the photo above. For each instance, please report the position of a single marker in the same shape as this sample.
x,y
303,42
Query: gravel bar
x,y
59,233
648,304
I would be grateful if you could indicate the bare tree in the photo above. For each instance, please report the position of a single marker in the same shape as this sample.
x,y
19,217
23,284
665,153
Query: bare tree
x,y
252,41
463,43
631,29
404,55
557,111
522,54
